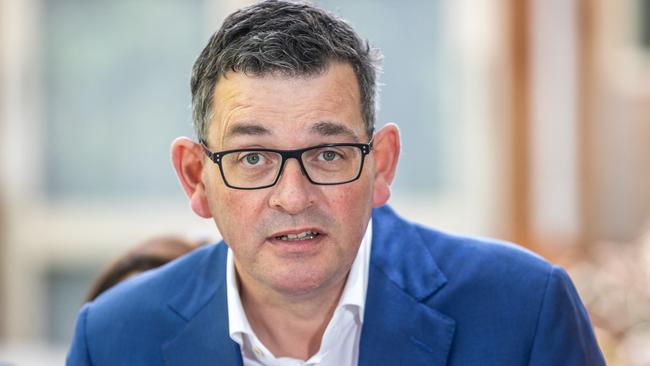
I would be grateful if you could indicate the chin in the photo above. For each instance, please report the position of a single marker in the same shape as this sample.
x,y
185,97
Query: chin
x,y
300,282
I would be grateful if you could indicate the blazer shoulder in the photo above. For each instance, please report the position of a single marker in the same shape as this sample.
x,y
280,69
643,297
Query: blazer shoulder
x,y
482,261
481,250
490,257
158,284
137,311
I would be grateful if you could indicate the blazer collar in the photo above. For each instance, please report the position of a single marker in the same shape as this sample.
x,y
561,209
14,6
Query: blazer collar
x,y
202,304
399,328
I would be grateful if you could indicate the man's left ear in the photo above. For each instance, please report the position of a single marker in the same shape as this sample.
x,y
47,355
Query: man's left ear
x,y
386,149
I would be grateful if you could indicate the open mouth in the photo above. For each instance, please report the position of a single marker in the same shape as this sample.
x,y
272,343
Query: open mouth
x,y
305,235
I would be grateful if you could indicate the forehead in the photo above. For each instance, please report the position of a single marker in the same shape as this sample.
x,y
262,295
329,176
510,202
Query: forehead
x,y
276,105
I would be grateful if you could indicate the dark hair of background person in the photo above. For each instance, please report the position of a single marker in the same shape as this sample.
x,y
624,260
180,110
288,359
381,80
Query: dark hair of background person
x,y
148,255
289,38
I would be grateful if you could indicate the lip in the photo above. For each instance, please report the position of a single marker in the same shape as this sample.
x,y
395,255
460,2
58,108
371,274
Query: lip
x,y
297,231
297,247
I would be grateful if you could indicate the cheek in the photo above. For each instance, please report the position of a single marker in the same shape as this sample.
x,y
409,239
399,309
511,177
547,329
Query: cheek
x,y
352,203
234,212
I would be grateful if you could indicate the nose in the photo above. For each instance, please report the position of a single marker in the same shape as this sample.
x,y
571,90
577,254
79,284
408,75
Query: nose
x,y
293,191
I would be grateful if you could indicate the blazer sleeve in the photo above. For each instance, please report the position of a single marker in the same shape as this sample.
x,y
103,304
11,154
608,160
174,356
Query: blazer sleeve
x,y
78,354
564,335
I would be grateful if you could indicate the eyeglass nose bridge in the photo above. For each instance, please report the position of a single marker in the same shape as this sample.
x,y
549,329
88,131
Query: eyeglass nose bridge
x,y
295,154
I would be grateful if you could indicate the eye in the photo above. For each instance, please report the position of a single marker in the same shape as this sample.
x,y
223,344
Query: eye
x,y
252,158
329,155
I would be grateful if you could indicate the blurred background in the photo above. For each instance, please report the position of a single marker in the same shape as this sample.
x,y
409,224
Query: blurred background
x,y
527,120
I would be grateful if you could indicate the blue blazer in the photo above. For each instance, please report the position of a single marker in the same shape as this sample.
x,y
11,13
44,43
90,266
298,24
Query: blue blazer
x,y
433,299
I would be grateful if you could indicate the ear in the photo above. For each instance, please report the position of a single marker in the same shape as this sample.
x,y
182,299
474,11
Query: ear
x,y
386,149
187,158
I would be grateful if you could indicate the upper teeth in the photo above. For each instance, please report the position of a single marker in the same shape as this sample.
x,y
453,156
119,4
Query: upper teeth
x,y
301,236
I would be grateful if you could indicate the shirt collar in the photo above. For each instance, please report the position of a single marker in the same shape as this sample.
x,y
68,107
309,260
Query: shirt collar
x,y
353,296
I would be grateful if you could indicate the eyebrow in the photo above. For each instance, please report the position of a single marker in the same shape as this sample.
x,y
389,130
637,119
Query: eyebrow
x,y
329,128
248,129
322,128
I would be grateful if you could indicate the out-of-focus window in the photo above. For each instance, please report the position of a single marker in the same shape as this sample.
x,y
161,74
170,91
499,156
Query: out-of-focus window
x,y
116,93
644,23
63,286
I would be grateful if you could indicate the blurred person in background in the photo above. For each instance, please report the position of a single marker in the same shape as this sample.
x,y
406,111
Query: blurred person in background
x,y
150,254
314,268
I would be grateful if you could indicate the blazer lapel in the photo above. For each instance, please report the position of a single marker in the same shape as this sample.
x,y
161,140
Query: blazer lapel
x,y
399,328
202,305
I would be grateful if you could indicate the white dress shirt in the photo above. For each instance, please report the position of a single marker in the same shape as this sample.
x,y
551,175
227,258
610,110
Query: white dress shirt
x,y
340,343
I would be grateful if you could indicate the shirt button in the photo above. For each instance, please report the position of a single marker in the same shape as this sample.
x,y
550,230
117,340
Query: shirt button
x,y
257,351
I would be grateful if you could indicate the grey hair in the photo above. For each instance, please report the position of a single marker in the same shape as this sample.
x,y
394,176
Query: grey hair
x,y
276,36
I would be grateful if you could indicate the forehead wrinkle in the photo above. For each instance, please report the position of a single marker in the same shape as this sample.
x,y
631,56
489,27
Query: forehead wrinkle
x,y
236,104
224,96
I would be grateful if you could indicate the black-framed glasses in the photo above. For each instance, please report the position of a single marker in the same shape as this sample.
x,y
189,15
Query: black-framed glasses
x,y
256,168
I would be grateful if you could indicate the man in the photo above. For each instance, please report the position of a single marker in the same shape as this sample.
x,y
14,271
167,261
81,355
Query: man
x,y
314,269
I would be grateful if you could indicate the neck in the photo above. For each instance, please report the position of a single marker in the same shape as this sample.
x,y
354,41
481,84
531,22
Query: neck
x,y
290,326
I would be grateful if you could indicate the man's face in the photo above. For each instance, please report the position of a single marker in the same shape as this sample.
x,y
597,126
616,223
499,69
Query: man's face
x,y
282,112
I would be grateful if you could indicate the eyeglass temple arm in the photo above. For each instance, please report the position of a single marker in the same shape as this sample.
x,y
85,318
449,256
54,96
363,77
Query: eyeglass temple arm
x,y
216,157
